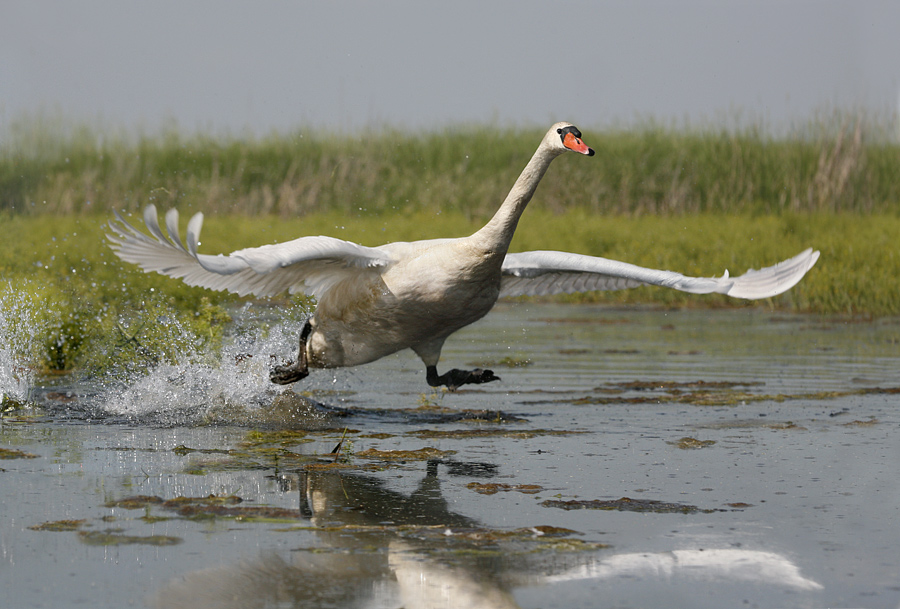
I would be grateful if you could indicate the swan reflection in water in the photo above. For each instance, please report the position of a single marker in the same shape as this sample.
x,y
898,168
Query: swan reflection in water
x,y
706,564
367,558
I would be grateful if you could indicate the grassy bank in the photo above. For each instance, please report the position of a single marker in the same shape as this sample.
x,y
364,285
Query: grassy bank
x,y
90,303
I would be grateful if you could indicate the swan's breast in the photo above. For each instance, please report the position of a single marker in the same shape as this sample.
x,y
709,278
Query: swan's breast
x,y
449,280
430,292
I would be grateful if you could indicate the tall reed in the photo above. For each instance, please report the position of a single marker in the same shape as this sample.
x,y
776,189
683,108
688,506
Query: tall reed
x,y
840,164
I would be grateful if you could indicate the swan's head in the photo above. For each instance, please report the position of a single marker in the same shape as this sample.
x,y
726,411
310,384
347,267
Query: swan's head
x,y
566,136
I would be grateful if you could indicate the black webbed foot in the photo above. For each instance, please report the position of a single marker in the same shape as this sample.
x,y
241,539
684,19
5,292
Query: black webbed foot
x,y
457,378
285,375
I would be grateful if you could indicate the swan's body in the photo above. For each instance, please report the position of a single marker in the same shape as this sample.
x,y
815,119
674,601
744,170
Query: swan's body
x,y
374,301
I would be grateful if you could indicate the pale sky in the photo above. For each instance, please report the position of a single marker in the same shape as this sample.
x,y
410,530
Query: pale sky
x,y
232,66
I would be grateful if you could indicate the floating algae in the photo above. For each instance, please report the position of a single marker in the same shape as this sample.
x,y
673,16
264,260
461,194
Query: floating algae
x,y
701,393
432,413
58,525
492,488
751,424
254,513
250,458
11,453
422,454
137,502
688,443
284,437
509,361
626,504
494,432
867,423
266,449
183,450
178,502
116,538
211,506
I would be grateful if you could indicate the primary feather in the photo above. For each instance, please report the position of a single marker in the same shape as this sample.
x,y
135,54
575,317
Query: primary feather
x,y
542,273
308,264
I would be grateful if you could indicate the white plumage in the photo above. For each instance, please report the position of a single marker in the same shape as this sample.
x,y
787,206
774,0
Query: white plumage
x,y
542,273
373,301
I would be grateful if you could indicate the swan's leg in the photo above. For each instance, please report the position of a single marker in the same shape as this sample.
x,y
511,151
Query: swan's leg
x,y
456,378
285,375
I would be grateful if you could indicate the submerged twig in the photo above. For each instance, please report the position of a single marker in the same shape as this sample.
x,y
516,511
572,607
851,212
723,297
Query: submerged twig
x,y
336,451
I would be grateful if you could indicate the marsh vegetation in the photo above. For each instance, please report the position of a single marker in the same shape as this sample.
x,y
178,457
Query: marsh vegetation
x,y
694,200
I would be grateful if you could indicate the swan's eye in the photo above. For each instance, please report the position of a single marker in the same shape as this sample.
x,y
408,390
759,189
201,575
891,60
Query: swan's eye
x,y
559,131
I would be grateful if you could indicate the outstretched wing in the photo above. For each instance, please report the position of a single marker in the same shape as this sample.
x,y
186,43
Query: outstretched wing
x,y
309,264
543,273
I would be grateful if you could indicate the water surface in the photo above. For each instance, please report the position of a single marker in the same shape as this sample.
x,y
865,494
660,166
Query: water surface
x,y
628,458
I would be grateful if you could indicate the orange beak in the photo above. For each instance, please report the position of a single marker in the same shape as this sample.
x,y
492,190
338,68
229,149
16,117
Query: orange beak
x,y
576,145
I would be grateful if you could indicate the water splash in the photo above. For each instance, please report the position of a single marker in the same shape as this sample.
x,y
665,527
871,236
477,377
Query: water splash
x,y
18,343
200,386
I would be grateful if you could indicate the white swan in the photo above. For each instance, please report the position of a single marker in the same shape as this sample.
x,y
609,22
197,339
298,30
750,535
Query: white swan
x,y
374,301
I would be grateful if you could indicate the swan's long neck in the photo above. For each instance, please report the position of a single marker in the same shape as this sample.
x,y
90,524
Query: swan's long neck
x,y
497,234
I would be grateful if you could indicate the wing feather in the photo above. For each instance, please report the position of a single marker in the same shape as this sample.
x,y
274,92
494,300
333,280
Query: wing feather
x,y
308,264
542,273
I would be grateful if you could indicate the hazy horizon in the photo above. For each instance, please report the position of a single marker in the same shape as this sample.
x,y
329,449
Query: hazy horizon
x,y
233,67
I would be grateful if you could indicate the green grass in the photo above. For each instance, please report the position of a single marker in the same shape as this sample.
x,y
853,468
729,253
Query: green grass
x,y
88,302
